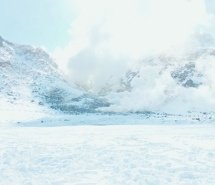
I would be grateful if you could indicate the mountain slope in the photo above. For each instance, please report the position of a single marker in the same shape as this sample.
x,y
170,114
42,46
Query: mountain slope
x,y
28,75
166,82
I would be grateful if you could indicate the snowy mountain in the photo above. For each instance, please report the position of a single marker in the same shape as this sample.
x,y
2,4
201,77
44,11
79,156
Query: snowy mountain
x,y
166,82
29,76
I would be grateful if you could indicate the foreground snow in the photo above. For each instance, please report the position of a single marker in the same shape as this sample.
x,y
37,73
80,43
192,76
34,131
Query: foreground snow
x,y
111,154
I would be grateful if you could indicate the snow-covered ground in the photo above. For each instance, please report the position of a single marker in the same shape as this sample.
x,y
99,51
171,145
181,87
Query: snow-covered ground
x,y
86,149
40,146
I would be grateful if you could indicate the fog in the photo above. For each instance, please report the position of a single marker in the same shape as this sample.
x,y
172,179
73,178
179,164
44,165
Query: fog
x,y
114,39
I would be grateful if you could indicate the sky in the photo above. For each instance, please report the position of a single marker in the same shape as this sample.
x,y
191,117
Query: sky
x,y
37,22
48,23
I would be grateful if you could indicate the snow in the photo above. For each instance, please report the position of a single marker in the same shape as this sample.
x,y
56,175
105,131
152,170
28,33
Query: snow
x,y
29,77
43,148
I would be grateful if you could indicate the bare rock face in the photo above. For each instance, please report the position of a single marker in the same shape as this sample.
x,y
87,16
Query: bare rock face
x,y
187,76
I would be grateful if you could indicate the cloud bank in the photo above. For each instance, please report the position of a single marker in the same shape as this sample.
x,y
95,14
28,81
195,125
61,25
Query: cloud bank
x,y
111,38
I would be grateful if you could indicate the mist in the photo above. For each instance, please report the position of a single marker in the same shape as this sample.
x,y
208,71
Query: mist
x,y
128,52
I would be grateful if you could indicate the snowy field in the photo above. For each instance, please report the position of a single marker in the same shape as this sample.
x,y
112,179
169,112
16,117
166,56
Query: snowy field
x,y
146,154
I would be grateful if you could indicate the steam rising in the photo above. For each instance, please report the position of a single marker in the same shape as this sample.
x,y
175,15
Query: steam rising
x,y
112,38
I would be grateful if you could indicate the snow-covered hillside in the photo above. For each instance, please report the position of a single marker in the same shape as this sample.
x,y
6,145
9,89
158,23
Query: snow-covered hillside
x,y
166,82
29,78
172,82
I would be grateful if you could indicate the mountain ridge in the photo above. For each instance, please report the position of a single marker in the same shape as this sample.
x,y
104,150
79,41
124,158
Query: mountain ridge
x,y
29,74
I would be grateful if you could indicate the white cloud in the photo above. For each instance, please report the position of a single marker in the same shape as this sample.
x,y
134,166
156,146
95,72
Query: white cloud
x,y
111,37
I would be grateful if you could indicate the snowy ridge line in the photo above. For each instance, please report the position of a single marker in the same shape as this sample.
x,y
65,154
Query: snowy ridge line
x,y
171,82
33,78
